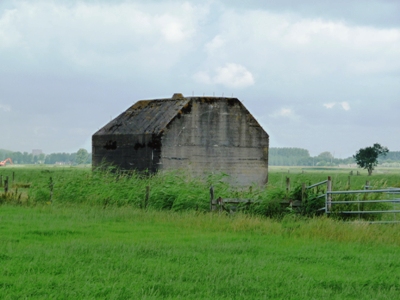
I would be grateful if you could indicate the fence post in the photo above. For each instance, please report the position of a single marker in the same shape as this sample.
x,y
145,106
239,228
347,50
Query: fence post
x,y
51,185
13,177
6,185
287,187
1,180
220,204
366,186
329,196
212,206
146,199
303,191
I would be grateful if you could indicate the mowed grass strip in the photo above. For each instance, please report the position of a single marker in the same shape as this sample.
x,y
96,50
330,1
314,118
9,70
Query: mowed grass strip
x,y
89,252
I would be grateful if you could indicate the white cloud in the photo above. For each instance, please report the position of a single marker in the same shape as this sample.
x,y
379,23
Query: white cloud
x,y
5,108
230,75
234,75
329,105
9,35
345,105
214,45
174,31
285,45
284,112
91,35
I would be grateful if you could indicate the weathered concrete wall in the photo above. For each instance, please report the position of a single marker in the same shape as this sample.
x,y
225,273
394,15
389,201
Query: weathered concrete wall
x,y
140,151
217,135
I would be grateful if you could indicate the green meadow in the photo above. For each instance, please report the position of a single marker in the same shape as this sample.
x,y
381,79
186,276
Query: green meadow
x,y
92,238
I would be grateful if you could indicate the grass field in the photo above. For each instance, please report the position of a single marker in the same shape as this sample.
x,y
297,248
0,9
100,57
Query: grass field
x,y
123,253
94,242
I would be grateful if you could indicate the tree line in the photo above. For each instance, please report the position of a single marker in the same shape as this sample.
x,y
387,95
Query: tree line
x,y
82,156
302,157
277,157
391,156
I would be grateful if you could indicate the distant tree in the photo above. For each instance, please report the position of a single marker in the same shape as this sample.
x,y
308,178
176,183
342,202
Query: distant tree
x,y
325,159
393,156
327,156
17,157
367,158
288,157
81,156
41,158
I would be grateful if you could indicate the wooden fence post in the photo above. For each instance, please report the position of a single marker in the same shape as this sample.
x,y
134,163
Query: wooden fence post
x,y
212,204
329,189
146,199
1,180
287,187
220,203
51,185
6,185
13,177
303,191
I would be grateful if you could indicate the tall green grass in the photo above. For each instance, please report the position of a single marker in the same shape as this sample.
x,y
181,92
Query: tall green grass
x,y
177,191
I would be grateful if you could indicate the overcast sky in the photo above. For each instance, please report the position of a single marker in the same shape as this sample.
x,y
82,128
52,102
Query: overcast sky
x,y
319,75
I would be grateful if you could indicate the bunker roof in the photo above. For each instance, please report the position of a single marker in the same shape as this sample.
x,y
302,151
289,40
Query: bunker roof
x,y
145,117
152,116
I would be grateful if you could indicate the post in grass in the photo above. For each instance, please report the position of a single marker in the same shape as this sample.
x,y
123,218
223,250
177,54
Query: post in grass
x,y
212,201
51,185
6,185
146,199
329,196
287,188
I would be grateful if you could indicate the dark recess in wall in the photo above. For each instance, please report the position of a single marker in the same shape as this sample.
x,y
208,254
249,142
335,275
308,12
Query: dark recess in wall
x,y
110,145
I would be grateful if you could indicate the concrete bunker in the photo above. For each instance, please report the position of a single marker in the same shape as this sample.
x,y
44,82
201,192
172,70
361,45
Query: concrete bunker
x,y
197,134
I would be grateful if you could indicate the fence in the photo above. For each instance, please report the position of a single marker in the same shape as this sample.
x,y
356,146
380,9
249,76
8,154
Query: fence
x,y
12,190
226,204
329,202
391,191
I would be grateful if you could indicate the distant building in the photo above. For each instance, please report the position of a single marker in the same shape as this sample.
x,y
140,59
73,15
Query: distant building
x,y
197,134
36,152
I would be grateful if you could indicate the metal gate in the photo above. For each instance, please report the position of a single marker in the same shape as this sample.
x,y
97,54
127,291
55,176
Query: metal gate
x,y
390,193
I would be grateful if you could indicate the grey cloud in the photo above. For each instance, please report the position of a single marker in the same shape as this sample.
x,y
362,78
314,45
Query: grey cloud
x,y
63,84
377,13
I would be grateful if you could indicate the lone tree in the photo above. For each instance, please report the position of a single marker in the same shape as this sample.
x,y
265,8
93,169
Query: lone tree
x,y
367,158
82,156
